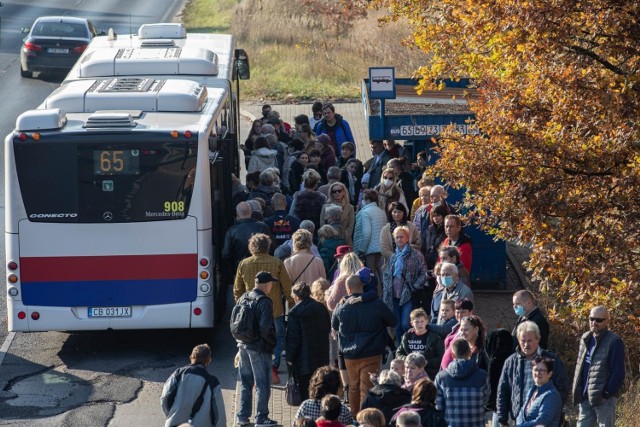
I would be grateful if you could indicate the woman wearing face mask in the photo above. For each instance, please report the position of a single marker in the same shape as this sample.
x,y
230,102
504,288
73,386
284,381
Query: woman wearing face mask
x,y
405,274
389,191
452,254
473,331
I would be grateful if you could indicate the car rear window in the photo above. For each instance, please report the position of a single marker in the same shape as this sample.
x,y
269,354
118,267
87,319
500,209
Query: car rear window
x,y
60,29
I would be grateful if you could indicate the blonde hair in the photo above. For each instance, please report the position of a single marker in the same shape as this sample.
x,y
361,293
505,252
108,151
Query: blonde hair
x,y
345,199
350,264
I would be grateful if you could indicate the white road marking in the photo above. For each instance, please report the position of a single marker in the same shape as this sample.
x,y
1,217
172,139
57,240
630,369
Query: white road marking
x,y
5,346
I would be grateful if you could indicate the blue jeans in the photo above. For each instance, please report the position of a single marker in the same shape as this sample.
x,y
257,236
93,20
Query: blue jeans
x,y
603,415
255,367
280,333
403,313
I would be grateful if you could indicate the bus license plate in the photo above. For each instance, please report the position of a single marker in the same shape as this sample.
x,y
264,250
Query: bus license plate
x,y
109,311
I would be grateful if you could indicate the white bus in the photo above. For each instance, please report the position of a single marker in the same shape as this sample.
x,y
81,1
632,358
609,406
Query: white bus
x,y
118,186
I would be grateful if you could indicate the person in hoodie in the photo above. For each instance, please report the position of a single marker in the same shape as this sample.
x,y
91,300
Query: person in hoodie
x,y
307,341
387,395
462,389
191,380
262,157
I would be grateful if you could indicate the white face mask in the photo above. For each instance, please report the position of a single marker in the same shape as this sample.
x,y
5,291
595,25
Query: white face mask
x,y
387,182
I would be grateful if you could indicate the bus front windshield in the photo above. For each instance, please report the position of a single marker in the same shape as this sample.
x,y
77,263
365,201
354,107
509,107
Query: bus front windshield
x,y
98,182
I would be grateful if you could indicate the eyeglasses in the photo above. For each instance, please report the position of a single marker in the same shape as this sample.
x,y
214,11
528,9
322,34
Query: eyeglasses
x,y
336,191
596,319
540,371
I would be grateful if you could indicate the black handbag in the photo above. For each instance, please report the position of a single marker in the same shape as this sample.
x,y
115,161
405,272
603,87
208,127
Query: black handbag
x,y
292,389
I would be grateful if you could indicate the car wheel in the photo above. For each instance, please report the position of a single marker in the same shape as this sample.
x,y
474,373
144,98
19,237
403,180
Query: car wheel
x,y
26,73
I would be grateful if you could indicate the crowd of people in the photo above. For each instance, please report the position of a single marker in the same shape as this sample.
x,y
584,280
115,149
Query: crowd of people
x,y
341,268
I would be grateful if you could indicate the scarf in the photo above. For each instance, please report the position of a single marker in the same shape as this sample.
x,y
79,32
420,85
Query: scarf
x,y
398,266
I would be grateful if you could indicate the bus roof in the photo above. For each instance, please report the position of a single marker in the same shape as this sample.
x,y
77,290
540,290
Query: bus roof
x,y
158,50
133,103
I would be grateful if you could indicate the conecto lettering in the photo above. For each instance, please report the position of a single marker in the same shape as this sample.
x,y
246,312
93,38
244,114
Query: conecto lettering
x,y
54,215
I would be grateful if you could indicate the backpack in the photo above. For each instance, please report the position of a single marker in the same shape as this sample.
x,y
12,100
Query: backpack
x,y
244,323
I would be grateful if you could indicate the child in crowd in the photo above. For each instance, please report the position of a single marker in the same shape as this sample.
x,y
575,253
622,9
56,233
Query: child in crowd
x,y
421,340
371,417
443,324
330,407
398,366
317,289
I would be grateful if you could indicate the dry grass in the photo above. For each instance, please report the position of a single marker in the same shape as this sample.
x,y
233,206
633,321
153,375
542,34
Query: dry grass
x,y
295,55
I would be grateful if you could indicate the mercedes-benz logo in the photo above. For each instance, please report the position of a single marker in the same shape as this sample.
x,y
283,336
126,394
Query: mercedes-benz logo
x,y
107,216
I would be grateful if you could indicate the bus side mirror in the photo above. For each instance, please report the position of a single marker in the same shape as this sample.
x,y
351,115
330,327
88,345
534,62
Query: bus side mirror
x,y
241,70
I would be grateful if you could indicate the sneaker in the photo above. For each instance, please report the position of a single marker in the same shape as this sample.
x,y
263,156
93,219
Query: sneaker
x,y
243,423
265,422
275,378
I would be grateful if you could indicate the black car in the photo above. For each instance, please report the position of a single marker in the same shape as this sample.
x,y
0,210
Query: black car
x,y
55,43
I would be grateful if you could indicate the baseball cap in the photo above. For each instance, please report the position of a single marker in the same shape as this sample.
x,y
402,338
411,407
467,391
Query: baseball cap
x,y
365,274
264,277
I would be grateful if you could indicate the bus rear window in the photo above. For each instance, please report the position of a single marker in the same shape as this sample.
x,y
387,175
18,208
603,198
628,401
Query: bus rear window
x,y
97,183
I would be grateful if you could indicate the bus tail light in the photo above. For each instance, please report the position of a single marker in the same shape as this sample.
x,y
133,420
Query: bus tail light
x,y
22,315
204,262
205,288
204,275
13,278
197,311
13,292
35,315
187,134
12,265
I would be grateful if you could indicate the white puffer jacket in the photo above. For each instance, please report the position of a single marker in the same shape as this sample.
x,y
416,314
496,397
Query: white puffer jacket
x,y
366,236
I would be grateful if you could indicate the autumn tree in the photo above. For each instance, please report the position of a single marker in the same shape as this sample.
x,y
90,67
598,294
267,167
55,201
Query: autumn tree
x,y
558,165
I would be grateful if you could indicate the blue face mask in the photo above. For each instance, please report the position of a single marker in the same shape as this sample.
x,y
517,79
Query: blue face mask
x,y
447,281
519,310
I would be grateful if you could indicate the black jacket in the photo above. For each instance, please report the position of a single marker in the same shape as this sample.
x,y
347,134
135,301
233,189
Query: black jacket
x,y
538,318
362,327
236,240
499,348
307,342
264,314
388,398
431,241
